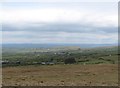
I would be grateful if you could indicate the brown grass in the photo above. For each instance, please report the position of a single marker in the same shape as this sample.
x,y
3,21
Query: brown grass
x,y
61,75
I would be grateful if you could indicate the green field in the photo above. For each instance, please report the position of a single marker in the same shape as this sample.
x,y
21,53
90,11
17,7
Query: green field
x,y
28,56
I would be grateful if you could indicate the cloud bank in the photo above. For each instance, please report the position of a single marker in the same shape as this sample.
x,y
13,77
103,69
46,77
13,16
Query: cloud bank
x,y
60,23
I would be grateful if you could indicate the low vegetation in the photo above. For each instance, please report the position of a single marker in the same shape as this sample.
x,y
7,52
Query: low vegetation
x,y
59,56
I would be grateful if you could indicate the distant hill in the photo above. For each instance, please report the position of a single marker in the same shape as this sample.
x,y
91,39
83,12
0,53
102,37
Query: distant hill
x,y
54,45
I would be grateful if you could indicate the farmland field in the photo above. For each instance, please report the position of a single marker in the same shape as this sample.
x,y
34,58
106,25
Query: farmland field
x,y
61,75
71,66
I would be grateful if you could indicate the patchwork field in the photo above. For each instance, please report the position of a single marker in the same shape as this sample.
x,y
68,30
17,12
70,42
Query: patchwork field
x,y
61,75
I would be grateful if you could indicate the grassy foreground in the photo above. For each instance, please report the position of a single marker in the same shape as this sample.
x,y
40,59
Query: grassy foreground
x,y
61,75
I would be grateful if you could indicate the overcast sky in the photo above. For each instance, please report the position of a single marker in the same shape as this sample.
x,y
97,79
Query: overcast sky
x,y
60,22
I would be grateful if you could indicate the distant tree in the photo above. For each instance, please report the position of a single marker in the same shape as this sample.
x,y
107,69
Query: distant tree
x,y
51,59
70,60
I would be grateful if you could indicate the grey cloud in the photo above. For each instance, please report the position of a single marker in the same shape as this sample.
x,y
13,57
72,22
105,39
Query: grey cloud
x,y
61,27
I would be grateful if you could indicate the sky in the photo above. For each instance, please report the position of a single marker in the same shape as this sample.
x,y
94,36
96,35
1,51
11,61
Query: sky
x,y
59,22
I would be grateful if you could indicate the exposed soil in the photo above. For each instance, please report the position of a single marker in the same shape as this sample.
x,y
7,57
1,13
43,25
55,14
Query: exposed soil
x,y
61,75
